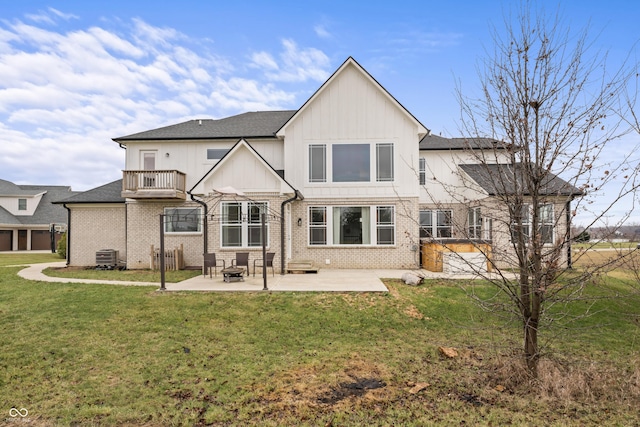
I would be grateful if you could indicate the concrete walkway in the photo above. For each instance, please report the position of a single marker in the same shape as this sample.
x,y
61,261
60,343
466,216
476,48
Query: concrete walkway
x,y
326,280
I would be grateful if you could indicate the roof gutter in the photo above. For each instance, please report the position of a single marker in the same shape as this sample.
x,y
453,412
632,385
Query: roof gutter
x,y
297,196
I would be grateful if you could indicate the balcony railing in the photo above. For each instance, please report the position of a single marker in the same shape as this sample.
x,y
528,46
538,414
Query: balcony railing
x,y
156,184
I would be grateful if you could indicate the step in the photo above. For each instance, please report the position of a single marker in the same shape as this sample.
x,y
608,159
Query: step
x,y
301,267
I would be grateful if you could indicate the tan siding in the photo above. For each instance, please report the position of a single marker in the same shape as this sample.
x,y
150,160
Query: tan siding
x,y
94,228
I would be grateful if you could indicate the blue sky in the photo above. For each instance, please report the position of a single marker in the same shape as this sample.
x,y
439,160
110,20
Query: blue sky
x,y
74,74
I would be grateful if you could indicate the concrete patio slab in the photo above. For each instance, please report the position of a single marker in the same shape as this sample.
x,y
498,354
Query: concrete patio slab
x,y
326,280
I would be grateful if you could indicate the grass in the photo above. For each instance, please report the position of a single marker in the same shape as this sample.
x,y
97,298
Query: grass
x,y
82,354
23,258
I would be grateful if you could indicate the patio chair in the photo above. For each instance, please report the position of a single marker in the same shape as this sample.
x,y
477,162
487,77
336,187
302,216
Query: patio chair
x,y
241,260
211,262
267,263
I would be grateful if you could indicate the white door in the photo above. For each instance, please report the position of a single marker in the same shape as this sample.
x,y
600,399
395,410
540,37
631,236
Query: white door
x,y
148,163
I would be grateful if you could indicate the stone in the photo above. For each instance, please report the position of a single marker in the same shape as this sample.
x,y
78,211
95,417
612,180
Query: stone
x,y
412,279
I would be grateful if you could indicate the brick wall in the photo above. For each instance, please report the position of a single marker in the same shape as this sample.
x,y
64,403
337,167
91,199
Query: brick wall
x,y
94,228
404,254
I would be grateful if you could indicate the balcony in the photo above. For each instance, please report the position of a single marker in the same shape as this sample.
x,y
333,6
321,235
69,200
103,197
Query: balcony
x,y
156,184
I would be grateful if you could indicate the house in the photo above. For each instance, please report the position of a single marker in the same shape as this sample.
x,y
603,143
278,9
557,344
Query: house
x,y
28,219
349,180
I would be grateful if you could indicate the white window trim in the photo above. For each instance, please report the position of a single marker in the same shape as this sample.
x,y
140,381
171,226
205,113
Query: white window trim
x,y
373,163
529,222
434,223
373,226
244,224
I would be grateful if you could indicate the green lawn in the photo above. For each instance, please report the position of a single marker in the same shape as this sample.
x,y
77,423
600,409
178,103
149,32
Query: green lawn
x,y
81,354
22,258
126,275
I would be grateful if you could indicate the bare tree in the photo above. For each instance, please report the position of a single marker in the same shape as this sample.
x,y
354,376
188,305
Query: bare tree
x,y
552,108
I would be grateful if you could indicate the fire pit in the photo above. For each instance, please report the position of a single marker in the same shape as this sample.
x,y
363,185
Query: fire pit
x,y
233,274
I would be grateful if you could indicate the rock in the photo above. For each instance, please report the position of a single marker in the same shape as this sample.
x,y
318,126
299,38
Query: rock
x,y
412,279
449,352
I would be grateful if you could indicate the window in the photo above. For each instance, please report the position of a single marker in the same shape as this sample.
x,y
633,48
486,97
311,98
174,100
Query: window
x,y
438,223
216,153
384,162
351,225
385,225
242,224
546,223
523,229
318,163
351,163
423,170
182,220
317,225
474,223
22,204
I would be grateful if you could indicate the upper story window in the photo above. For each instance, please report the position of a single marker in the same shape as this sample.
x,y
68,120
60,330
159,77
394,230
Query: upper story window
x,y
351,162
216,153
423,171
183,220
22,204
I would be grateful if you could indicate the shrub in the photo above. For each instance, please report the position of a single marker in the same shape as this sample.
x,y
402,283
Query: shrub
x,y
61,249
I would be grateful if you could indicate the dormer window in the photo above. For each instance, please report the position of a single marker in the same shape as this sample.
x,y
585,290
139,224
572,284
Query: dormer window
x,y
22,204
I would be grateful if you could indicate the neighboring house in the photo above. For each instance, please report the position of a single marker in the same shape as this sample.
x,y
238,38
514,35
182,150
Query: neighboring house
x,y
28,219
346,181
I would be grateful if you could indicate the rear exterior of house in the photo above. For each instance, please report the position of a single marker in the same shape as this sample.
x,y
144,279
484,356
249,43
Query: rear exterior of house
x,y
349,180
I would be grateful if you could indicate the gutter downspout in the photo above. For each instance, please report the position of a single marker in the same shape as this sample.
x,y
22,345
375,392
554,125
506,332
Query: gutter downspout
x,y
68,255
205,228
297,195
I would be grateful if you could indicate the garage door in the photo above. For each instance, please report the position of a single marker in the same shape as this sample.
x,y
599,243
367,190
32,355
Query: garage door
x,y
5,240
40,240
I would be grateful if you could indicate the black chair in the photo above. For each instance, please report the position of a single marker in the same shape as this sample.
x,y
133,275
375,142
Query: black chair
x,y
211,262
241,260
267,263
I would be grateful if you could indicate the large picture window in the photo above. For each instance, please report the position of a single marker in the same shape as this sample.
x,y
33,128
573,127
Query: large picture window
x,y
351,225
183,220
436,223
242,223
351,162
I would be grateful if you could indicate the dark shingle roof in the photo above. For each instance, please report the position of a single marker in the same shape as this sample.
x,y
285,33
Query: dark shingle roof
x,y
7,218
8,188
46,212
435,142
500,179
253,124
108,193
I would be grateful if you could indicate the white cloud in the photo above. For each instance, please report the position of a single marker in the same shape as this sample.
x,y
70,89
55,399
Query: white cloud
x,y
295,64
322,32
65,93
